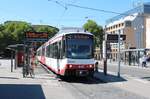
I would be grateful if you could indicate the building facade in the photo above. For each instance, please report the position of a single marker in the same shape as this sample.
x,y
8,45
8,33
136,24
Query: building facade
x,y
135,24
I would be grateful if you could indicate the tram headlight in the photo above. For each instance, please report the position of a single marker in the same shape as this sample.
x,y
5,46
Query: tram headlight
x,y
70,66
90,66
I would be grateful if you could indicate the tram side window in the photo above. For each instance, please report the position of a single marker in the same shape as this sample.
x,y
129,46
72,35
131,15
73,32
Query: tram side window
x,y
40,52
63,49
60,50
59,54
43,51
50,51
47,51
54,51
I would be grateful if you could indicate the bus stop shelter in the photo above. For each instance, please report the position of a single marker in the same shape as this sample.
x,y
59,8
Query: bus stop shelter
x,y
17,52
132,56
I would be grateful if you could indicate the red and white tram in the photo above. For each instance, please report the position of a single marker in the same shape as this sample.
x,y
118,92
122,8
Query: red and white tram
x,y
69,53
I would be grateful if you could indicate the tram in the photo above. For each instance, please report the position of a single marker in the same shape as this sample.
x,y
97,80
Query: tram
x,y
69,53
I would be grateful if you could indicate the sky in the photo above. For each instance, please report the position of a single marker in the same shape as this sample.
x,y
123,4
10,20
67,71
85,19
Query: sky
x,y
59,14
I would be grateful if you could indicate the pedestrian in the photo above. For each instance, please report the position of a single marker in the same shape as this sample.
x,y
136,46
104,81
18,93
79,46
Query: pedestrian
x,y
33,63
144,59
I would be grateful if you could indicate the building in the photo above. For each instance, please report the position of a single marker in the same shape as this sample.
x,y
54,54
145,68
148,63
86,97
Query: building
x,y
135,24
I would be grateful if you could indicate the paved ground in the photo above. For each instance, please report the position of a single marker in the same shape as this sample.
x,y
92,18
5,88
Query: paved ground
x,y
47,86
137,78
43,86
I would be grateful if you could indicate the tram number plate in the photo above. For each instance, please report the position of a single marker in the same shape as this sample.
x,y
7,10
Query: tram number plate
x,y
82,72
81,66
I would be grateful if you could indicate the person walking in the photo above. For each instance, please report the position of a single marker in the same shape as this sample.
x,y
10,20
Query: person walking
x,y
144,59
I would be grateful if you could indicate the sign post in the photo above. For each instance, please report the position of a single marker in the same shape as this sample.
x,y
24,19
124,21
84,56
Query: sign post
x,y
116,38
119,53
31,39
36,36
105,54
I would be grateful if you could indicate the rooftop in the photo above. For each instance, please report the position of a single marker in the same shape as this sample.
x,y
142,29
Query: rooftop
x,y
144,8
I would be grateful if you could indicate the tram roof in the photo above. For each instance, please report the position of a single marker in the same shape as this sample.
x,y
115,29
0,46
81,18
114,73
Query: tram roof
x,y
64,33
68,30
72,30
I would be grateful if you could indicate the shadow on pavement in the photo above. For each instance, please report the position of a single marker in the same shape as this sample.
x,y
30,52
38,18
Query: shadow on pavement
x,y
84,80
147,78
109,77
21,91
9,77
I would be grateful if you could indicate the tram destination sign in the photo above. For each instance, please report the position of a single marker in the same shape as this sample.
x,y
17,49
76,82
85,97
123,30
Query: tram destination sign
x,y
36,36
78,36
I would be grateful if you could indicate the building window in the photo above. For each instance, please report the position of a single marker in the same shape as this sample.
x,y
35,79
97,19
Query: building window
x,y
114,26
119,25
128,23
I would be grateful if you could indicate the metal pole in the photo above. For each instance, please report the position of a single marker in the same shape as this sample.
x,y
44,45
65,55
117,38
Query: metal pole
x,y
11,61
16,59
24,63
118,53
104,54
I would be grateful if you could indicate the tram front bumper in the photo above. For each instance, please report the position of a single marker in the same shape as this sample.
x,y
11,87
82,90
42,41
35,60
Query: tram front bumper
x,y
78,72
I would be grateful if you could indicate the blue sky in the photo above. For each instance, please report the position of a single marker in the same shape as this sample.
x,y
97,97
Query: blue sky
x,y
52,13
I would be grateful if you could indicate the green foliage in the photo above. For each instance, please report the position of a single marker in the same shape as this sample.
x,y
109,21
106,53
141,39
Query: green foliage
x,y
12,32
97,30
46,28
15,30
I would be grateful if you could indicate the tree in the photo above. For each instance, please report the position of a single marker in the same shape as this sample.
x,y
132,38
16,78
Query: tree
x,y
97,30
46,28
12,32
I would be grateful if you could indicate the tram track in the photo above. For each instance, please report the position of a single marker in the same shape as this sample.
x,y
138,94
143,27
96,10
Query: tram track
x,y
92,88
75,85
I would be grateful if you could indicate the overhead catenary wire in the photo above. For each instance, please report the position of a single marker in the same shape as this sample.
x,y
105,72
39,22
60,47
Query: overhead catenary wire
x,y
94,9
99,10
61,3
63,13
67,5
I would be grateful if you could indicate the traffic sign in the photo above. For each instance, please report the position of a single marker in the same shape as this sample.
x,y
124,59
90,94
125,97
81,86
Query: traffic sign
x,y
114,37
36,36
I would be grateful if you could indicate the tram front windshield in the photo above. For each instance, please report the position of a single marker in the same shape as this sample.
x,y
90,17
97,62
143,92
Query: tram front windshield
x,y
80,47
